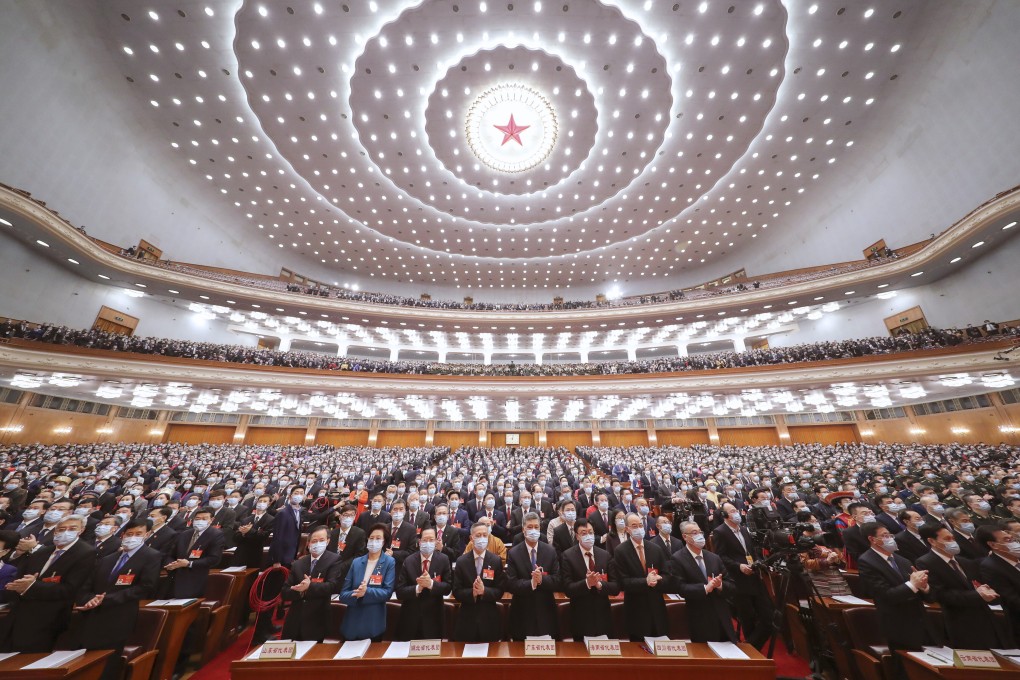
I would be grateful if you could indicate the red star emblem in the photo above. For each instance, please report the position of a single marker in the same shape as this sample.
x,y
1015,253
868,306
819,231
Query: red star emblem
x,y
511,131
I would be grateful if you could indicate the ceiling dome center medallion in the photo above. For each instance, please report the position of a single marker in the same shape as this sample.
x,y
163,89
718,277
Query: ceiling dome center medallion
x,y
511,128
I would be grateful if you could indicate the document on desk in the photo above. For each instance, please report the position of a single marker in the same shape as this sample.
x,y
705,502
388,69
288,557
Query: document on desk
x,y
181,602
55,659
934,656
157,603
6,655
1010,655
397,650
650,641
231,570
477,650
850,599
301,648
353,649
675,597
727,650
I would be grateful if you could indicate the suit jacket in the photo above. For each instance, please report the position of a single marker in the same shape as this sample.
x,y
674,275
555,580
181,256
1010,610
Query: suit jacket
x,y
644,607
970,623
675,544
250,546
589,607
39,615
225,520
890,523
478,620
354,545
449,542
286,536
601,527
910,546
366,520
499,529
308,618
900,610
204,555
163,541
421,614
708,613
563,538
1004,578
366,616
532,610
969,548
419,520
855,544
403,542
729,550
30,529
110,625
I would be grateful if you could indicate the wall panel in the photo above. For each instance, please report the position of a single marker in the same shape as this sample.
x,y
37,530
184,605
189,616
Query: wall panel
x,y
341,437
498,439
400,438
568,438
186,433
285,436
823,434
748,436
456,438
624,437
681,437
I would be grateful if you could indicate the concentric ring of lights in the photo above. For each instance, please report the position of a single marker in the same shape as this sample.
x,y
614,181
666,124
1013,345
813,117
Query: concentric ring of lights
x,y
477,126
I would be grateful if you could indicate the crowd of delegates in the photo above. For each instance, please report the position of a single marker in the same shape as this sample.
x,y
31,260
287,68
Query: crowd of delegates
x,y
93,527
819,351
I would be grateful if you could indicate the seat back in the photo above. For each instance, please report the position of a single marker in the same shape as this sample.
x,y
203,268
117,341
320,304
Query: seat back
x,y
336,620
148,628
563,620
854,582
864,627
676,619
450,610
392,620
217,590
617,613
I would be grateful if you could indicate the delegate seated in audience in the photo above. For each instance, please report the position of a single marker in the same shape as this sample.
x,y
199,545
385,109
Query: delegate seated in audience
x,y
585,580
425,578
478,584
368,585
1001,571
641,570
700,577
253,534
533,577
196,551
312,581
348,540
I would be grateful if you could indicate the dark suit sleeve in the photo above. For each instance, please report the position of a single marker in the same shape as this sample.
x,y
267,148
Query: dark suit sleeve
x,y
877,586
144,585
275,546
295,577
212,554
494,591
627,583
71,582
955,597
1009,594
518,579
445,586
406,583
330,583
462,583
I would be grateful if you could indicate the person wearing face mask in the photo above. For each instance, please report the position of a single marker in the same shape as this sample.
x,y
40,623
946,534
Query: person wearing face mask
x,y
368,585
448,539
42,596
701,578
312,581
962,528
14,489
911,545
626,501
459,519
732,542
478,584
899,590
641,570
347,539
109,604
664,536
196,551
980,510
618,535
956,582
532,576
563,534
402,538
107,539
8,572
161,535
252,534
889,507
225,518
1001,570
32,519
598,516
584,571
375,514
853,541
287,527
425,578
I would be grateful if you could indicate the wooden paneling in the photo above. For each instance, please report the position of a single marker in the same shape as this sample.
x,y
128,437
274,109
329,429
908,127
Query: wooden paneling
x,y
681,437
286,436
568,439
455,438
342,437
498,439
748,436
624,437
823,434
400,438
186,433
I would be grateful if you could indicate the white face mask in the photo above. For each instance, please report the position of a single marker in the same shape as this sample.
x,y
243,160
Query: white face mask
x,y
441,520
375,545
261,507
533,535
346,522
637,534
427,548
200,524
103,529
64,538
216,504
130,543
481,543
587,541
317,548
398,517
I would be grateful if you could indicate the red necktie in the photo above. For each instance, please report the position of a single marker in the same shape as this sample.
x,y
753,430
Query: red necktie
x,y
591,562
425,567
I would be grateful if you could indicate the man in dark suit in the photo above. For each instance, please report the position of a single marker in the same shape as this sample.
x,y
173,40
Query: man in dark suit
x,y
448,539
599,518
252,534
909,541
197,550
478,583
563,535
899,591
1001,571
48,582
532,576
161,537
889,507
701,579
417,516
498,519
585,579
374,515
32,518
312,581
110,603
424,579
970,623
287,529
348,540
963,533
403,540
664,538
224,519
853,541
734,546
641,570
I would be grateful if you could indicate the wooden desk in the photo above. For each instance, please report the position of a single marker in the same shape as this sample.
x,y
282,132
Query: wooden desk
x,y
179,619
506,661
87,667
919,670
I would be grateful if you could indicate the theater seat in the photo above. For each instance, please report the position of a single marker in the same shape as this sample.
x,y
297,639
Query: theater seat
x,y
676,619
336,620
392,619
616,611
141,650
215,609
869,652
853,581
450,610
563,620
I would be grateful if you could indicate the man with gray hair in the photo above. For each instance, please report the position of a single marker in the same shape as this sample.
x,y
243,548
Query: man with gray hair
x,y
48,581
533,576
700,578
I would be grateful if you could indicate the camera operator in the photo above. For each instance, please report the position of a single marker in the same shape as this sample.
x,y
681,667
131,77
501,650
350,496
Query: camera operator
x,y
819,558
738,551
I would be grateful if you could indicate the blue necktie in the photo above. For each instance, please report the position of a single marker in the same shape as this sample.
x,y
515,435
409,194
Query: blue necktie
x,y
534,560
116,567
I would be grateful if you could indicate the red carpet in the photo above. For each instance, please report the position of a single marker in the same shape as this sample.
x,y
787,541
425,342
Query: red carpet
x,y
787,665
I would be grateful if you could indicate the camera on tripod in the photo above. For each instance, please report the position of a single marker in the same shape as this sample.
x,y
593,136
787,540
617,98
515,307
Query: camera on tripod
x,y
776,536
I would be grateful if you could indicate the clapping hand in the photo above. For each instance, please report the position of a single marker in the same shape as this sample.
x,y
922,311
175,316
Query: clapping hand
x,y
424,582
536,577
93,603
986,593
362,589
592,579
22,584
303,586
478,588
714,583
653,579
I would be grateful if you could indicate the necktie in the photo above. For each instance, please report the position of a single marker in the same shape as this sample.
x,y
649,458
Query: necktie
x,y
665,542
311,567
959,572
440,536
53,558
478,565
591,562
895,567
605,520
117,567
534,560
641,555
701,565
194,537
425,567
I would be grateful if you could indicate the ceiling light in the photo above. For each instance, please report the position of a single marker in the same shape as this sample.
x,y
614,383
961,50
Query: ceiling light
x,y
73,261
44,244
1008,226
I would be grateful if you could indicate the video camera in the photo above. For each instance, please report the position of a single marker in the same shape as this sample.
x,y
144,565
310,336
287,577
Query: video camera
x,y
776,536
